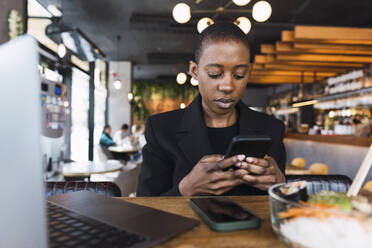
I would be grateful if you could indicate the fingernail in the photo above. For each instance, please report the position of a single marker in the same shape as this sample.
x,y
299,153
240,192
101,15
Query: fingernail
x,y
241,157
250,160
239,164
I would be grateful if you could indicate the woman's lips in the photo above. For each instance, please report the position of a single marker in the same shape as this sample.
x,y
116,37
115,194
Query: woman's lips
x,y
224,103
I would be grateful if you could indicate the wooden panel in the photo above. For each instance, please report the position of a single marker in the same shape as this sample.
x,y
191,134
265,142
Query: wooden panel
x,y
288,36
261,59
281,79
319,64
303,68
354,35
268,48
325,58
256,66
268,72
302,45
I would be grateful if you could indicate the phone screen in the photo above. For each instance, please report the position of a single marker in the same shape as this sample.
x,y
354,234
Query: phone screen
x,y
222,209
251,146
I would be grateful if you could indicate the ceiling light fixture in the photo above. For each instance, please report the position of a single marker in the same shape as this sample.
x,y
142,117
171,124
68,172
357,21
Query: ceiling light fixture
x,y
244,24
181,78
130,96
117,82
181,13
182,106
261,12
241,2
204,23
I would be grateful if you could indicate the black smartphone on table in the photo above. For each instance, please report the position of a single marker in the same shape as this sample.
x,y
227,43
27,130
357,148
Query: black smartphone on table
x,y
222,214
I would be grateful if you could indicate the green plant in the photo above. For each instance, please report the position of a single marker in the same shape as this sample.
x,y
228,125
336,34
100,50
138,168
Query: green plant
x,y
143,91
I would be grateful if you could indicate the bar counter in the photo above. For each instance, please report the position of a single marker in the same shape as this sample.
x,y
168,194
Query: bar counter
x,y
334,139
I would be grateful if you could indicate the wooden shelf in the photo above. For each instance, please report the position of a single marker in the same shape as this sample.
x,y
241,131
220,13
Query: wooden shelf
x,y
335,139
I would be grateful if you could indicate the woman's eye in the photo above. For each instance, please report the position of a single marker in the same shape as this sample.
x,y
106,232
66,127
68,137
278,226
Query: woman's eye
x,y
214,75
238,77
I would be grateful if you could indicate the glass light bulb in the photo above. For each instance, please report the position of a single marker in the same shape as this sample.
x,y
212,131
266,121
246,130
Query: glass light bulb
x,y
130,96
261,11
244,24
182,105
241,2
117,84
204,23
181,13
194,82
181,78
61,50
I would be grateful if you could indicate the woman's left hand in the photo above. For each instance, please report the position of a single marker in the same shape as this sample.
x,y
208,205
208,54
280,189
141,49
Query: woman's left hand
x,y
260,173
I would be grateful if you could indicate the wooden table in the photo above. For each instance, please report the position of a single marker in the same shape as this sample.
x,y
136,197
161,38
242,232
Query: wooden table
x,y
202,236
85,169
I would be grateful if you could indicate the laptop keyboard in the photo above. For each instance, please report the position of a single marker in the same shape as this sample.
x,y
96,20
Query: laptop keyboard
x,y
69,229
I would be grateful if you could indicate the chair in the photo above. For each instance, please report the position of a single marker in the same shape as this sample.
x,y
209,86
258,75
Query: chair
x,y
109,189
103,154
128,177
316,183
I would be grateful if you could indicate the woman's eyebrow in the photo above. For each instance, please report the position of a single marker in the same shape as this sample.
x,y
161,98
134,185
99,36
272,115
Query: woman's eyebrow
x,y
214,65
241,66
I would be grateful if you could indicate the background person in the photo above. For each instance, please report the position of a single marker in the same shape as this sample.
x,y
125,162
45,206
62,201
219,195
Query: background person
x,y
121,134
106,139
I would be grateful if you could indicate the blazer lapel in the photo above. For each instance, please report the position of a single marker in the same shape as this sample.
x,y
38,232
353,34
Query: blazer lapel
x,y
193,137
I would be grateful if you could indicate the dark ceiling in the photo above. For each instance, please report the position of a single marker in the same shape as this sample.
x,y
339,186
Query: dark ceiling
x,y
159,47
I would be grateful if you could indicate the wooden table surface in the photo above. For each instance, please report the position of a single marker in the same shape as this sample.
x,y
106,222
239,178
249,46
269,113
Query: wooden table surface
x,y
202,236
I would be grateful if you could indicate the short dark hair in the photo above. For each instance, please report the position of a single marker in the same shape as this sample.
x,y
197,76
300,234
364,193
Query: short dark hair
x,y
106,126
124,126
219,31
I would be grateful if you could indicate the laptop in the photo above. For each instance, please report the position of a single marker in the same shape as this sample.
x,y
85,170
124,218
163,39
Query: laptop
x,y
79,219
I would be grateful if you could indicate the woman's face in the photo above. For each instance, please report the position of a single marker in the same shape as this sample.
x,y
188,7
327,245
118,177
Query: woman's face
x,y
222,72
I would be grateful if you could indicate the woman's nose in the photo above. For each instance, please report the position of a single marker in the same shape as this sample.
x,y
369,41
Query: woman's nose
x,y
226,84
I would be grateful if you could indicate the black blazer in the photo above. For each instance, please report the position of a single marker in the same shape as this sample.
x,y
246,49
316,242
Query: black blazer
x,y
177,140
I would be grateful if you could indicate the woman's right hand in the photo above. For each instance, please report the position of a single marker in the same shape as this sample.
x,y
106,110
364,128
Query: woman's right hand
x,y
208,178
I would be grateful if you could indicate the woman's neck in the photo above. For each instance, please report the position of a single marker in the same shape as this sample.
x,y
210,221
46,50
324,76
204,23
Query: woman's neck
x,y
219,120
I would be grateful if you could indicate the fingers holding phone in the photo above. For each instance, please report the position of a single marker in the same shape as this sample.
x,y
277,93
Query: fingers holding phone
x,y
208,178
260,173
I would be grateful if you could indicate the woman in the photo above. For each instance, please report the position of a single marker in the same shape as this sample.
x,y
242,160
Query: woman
x,y
183,155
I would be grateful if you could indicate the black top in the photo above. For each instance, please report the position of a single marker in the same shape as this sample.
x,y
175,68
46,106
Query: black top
x,y
177,140
220,138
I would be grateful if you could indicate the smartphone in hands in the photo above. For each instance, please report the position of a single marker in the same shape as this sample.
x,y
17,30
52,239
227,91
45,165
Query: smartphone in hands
x,y
250,145
222,214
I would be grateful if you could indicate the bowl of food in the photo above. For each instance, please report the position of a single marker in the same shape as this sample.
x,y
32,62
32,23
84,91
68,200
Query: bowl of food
x,y
324,219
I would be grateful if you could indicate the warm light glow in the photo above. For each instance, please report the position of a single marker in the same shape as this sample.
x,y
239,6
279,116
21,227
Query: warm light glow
x,y
66,104
130,96
117,84
194,82
261,11
331,114
182,105
181,13
301,104
204,23
181,78
61,50
241,2
244,24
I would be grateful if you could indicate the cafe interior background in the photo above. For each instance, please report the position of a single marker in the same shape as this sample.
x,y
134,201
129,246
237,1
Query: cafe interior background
x,y
114,62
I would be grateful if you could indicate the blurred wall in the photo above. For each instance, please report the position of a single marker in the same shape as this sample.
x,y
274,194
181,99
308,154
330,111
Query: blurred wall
x,y
119,107
255,96
5,7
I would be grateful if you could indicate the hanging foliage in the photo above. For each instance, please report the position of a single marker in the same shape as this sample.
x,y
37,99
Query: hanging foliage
x,y
147,92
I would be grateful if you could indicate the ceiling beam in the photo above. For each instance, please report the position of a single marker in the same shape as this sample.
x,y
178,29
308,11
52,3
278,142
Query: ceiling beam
x,y
268,48
308,61
270,72
281,80
284,47
341,35
324,58
281,66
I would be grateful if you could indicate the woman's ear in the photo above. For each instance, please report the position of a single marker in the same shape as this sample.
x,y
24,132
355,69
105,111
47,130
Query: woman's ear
x,y
193,69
